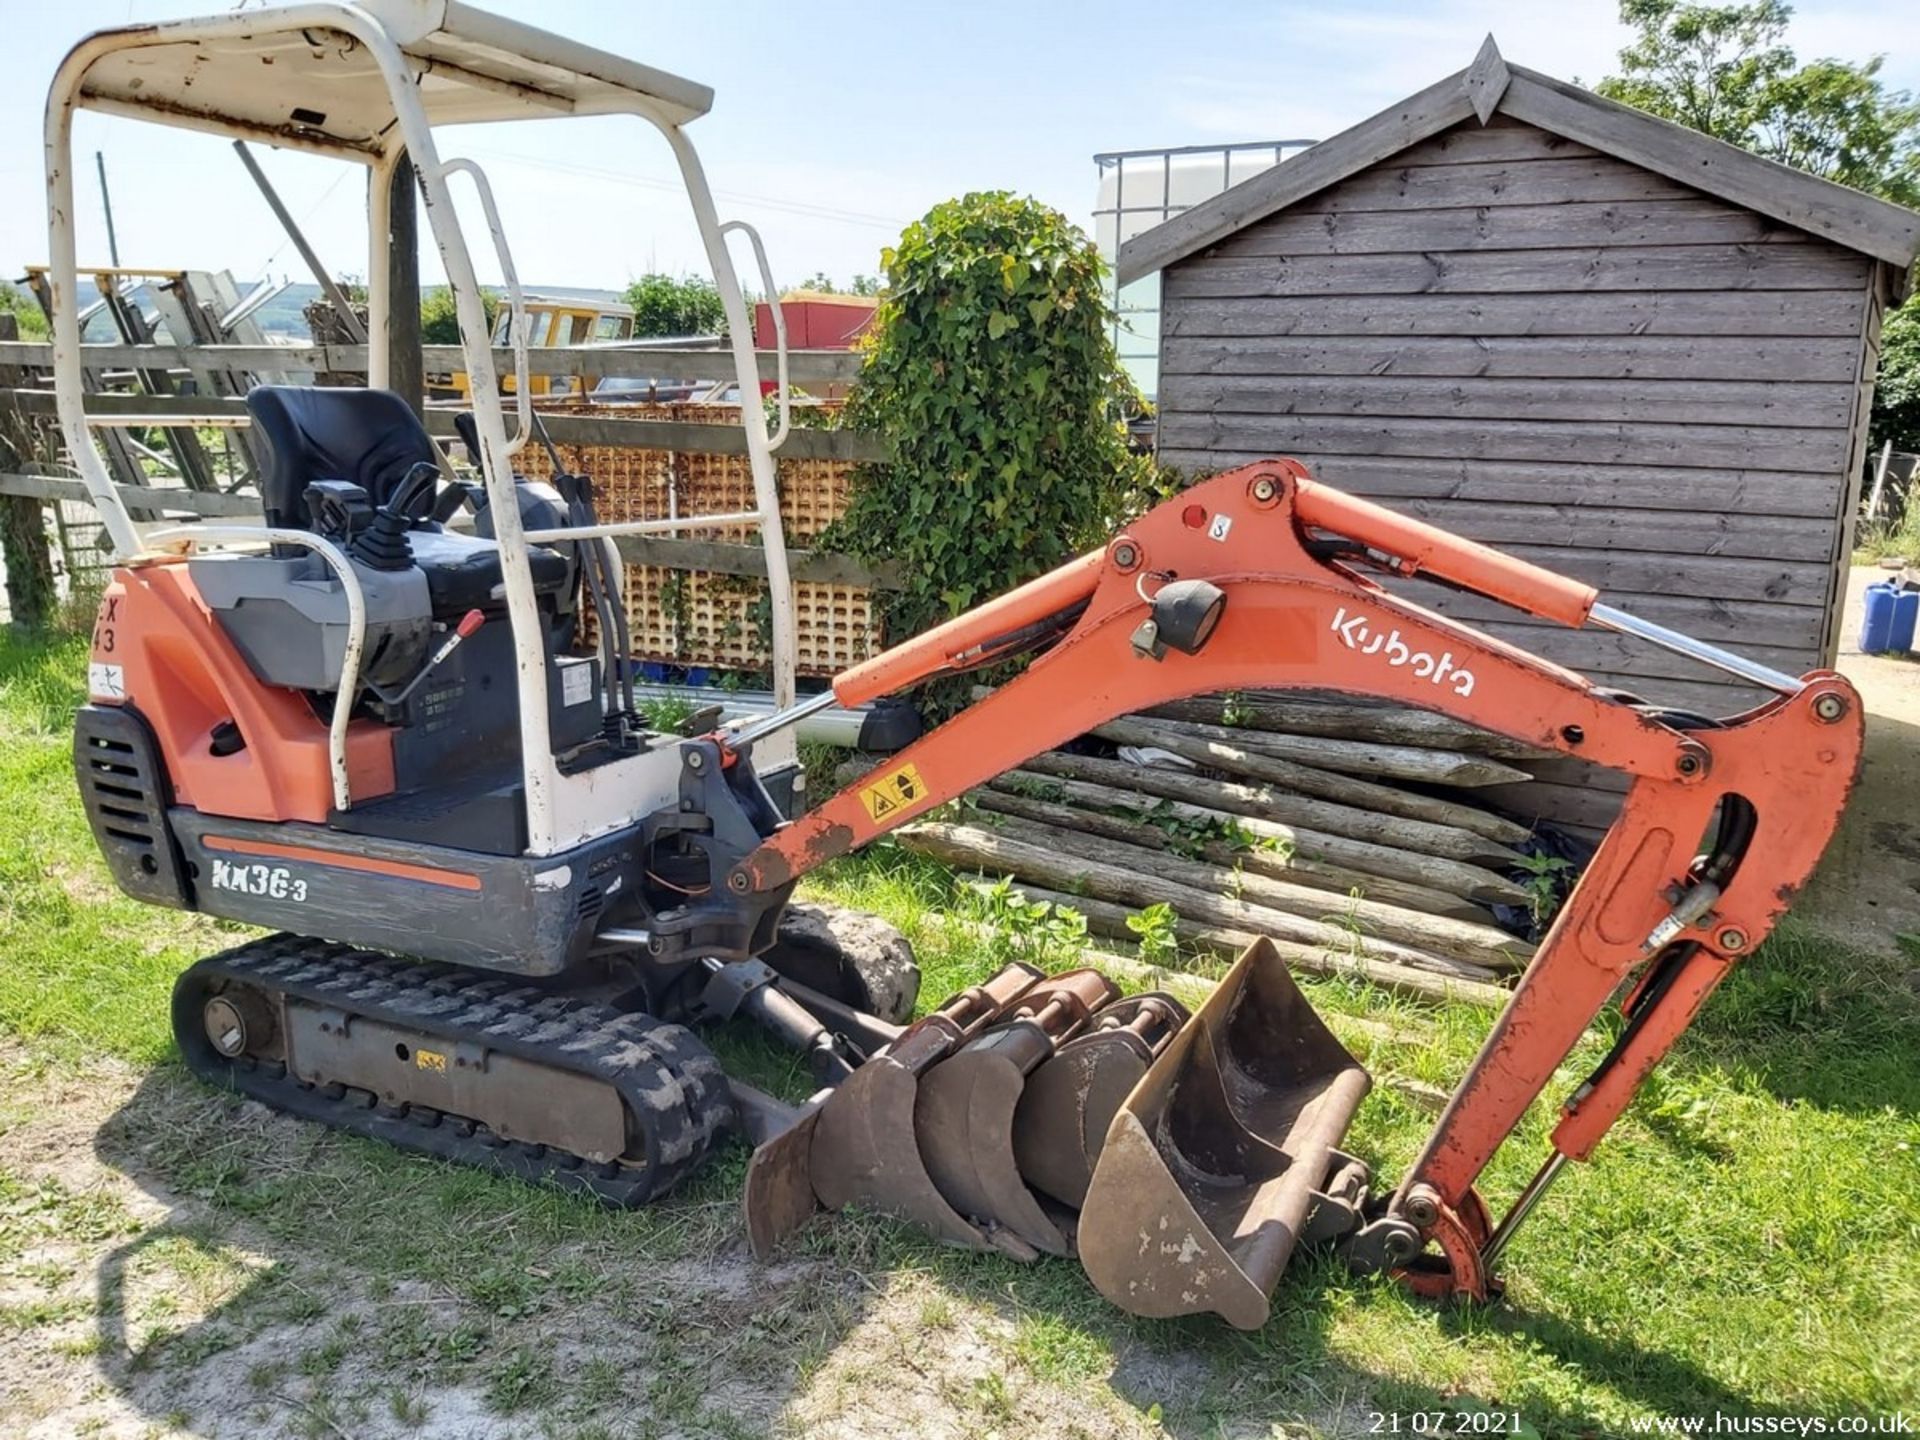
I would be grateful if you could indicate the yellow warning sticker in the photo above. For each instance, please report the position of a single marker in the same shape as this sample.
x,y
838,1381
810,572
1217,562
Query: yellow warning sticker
x,y
891,794
429,1060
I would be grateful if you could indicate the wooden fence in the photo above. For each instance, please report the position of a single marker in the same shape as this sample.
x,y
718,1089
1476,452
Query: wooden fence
x,y
142,380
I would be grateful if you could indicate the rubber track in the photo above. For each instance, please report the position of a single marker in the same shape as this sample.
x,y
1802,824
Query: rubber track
x,y
675,1091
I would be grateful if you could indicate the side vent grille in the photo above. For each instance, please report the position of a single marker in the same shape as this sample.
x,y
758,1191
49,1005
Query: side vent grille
x,y
123,787
116,789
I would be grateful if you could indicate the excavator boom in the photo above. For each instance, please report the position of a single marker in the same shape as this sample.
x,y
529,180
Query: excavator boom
x,y
1257,578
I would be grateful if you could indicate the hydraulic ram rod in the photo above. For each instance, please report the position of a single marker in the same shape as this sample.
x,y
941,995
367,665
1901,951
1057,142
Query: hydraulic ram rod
x,y
1419,546
1609,618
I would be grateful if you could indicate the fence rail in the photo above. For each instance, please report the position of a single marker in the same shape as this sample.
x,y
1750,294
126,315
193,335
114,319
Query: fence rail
x,y
802,443
31,361
140,499
805,367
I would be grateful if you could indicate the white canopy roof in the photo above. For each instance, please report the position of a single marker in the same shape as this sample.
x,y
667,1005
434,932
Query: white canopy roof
x,y
288,75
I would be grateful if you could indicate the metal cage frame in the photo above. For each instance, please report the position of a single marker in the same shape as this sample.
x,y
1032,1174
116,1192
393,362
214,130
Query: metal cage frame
x,y
472,66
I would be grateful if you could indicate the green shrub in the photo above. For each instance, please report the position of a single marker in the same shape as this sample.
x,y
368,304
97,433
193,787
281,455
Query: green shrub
x,y
440,321
991,374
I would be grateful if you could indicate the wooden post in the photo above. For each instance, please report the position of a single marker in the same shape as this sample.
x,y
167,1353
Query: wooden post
x,y
1879,480
31,597
1220,872
1127,787
406,372
1012,794
1252,763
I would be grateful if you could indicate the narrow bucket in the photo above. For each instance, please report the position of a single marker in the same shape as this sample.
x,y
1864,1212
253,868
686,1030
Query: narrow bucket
x,y
964,1114
855,1144
1225,1155
1070,1101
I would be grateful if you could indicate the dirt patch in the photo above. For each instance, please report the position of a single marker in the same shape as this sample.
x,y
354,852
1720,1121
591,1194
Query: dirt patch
x,y
138,1297
1867,889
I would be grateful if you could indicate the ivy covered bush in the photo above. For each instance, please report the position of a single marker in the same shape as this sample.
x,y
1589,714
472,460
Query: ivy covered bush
x,y
990,372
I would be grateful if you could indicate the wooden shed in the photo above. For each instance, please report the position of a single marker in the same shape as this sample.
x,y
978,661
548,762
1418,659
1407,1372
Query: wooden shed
x,y
1601,341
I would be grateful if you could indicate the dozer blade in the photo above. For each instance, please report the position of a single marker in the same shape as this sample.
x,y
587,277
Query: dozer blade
x,y
1070,1101
964,1113
854,1144
1222,1157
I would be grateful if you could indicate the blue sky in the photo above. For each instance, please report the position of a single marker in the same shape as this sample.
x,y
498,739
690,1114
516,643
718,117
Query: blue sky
x,y
834,124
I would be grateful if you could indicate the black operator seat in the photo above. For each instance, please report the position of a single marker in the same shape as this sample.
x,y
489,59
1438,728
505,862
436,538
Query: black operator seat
x,y
372,438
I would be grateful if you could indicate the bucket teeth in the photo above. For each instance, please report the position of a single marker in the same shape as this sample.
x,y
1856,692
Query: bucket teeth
x,y
1223,1156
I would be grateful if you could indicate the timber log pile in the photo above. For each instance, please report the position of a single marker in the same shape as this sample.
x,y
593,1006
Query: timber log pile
x,y
1345,832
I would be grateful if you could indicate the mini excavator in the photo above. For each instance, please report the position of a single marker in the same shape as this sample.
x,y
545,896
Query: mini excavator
x,y
501,904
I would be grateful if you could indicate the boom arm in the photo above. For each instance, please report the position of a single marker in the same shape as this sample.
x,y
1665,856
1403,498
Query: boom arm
x,y
1765,788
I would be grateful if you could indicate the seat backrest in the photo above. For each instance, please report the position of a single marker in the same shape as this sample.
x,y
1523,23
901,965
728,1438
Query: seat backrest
x,y
370,437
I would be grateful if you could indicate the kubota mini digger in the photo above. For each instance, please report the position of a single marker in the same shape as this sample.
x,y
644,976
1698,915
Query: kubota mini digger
x,y
500,900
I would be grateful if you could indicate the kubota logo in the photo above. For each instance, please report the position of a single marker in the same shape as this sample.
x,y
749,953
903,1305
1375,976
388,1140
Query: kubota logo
x,y
1357,634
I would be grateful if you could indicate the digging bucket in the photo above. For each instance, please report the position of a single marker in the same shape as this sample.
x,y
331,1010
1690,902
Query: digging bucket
x,y
1225,1156
964,1114
1070,1101
854,1145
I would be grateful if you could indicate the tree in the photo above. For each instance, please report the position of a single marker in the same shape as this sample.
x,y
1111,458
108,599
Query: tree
x,y
825,285
1896,398
991,375
25,310
440,322
1724,70
670,306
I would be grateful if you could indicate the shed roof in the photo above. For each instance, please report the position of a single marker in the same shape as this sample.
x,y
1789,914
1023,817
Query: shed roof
x,y
1490,85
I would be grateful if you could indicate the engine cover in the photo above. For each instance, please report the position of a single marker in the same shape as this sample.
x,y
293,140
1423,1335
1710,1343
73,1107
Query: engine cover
x,y
288,617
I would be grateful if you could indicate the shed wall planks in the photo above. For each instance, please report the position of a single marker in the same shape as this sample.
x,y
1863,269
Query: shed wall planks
x,y
1555,351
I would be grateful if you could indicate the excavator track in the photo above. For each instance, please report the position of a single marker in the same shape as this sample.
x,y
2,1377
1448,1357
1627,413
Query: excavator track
x,y
539,1057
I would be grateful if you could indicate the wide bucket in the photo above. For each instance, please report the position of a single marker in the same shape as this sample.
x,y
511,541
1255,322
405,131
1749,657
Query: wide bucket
x,y
1226,1155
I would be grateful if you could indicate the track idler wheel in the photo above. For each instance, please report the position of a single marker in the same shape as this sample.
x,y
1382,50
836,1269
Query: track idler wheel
x,y
241,1021
1225,1156
848,955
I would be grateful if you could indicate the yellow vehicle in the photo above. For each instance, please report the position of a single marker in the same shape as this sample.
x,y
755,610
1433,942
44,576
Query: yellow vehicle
x,y
555,321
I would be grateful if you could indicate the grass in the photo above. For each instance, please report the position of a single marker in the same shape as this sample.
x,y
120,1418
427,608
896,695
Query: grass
x,y
1744,1243
1880,540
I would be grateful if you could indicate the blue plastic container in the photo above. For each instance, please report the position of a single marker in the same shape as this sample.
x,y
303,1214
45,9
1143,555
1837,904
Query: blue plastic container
x,y
1906,610
1876,625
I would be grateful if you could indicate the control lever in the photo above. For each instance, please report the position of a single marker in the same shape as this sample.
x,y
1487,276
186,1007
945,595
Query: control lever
x,y
469,622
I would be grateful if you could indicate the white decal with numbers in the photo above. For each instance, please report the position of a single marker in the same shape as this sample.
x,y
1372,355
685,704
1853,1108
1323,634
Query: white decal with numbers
x,y
276,882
